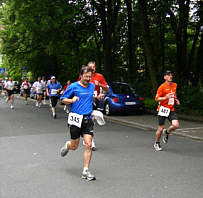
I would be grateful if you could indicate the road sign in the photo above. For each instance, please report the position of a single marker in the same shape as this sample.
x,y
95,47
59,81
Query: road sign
x,y
2,70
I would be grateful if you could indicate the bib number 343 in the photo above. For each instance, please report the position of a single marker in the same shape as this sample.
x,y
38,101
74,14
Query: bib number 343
x,y
163,111
75,119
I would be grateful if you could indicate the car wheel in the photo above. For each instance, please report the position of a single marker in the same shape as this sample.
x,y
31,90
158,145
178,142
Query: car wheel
x,y
107,109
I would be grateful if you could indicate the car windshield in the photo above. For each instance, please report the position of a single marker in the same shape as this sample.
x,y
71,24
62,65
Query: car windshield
x,y
121,89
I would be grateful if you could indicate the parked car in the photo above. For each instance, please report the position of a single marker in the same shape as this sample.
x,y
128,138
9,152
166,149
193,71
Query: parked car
x,y
120,98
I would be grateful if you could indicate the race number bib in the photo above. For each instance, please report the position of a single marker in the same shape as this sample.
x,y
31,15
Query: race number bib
x,y
54,91
25,87
171,101
75,119
39,90
163,111
95,93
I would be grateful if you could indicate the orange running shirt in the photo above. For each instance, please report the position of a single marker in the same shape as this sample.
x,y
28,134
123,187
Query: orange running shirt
x,y
162,91
100,78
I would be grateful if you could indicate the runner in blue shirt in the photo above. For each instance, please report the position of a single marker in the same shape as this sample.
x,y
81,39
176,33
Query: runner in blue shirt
x,y
79,97
53,89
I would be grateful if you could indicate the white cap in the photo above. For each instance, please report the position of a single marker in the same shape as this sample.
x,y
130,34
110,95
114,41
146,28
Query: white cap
x,y
98,115
53,77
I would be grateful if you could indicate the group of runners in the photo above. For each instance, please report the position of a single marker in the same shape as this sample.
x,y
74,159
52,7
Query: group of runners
x,y
79,99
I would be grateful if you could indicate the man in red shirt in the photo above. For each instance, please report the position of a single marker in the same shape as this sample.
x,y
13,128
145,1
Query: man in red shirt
x,y
100,82
166,96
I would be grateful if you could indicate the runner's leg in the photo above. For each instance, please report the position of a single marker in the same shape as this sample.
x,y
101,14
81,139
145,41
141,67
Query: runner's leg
x,y
88,150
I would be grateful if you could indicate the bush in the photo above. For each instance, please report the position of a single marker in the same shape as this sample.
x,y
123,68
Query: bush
x,y
150,103
191,100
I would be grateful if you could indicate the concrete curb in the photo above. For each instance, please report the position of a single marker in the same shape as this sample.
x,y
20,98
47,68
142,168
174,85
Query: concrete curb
x,y
148,127
133,124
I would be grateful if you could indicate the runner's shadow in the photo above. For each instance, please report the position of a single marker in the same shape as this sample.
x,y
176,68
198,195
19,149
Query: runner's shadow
x,y
73,171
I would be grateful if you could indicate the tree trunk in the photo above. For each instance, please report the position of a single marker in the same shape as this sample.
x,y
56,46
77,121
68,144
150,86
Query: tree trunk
x,y
131,45
148,47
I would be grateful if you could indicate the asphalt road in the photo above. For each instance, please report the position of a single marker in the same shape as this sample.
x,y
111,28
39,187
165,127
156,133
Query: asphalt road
x,y
125,163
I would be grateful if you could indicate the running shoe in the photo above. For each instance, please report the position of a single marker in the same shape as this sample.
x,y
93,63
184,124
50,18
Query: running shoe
x,y
88,176
12,107
54,115
37,104
165,136
157,147
64,150
40,104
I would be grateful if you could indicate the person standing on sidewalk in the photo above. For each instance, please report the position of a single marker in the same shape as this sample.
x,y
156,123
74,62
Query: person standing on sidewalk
x,y
53,90
26,88
166,96
99,81
9,86
79,96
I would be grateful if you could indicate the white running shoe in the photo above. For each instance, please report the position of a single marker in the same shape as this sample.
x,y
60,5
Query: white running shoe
x,y
40,104
12,107
54,115
88,176
157,147
64,150
44,102
37,104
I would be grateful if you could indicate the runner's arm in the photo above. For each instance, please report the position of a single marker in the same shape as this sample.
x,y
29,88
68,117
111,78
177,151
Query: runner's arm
x,y
69,101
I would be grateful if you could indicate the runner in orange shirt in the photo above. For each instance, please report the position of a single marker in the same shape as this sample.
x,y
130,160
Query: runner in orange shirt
x,y
99,81
166,96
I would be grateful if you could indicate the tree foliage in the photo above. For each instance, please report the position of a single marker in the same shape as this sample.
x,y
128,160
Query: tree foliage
x,y
134,41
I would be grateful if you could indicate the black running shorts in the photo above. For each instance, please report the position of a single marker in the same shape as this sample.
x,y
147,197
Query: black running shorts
x,y
54,100
26,91
86,128
10,92
172,116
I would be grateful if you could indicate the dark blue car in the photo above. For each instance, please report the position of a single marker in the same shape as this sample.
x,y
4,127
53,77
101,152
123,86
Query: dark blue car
x,y
121,98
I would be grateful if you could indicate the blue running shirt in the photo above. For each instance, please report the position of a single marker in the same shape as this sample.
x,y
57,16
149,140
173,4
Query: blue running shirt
x,y
84,105
53,86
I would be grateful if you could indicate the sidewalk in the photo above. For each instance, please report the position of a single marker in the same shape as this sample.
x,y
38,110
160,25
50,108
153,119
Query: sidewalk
x,y
188,128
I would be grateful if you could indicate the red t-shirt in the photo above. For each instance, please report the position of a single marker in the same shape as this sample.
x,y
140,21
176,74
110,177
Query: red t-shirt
x,y
162,91
100,78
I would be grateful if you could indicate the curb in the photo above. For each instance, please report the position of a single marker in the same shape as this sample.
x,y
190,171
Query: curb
x,y
149,128
135,124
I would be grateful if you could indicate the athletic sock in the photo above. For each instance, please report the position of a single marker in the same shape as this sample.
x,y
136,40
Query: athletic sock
x,y
85,169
